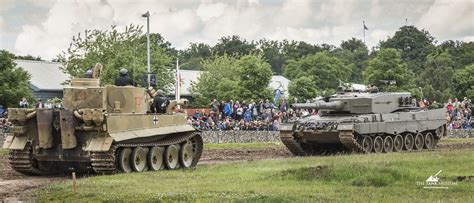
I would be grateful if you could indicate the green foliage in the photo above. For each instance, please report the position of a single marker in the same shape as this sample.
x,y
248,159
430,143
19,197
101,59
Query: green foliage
x,y
415,45
254,76
354,53
304,88
270,50
387,65
115,50
234,46
229,77
321,71
14,85
462,53
436,78
464,82
192,57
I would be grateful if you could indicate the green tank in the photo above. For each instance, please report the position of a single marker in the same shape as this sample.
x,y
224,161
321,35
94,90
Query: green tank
x,y
363,122
101,129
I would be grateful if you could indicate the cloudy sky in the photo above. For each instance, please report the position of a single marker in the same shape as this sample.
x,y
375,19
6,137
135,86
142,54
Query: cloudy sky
x,y
45,27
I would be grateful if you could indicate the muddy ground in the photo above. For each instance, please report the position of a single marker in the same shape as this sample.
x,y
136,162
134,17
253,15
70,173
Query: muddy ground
x,y
15,186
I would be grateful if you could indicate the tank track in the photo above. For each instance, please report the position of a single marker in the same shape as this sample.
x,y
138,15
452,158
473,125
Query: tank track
x,y
292,145
23,162
348,140
104,162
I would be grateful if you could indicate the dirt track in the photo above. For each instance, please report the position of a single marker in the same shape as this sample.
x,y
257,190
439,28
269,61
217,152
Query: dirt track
x,y
16,186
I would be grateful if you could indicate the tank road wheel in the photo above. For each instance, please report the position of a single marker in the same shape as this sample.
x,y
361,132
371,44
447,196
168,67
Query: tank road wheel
x,y
186,155
171,157
138,159
429,141
398,143
124,160
155,158
419,141
388,144
378,144
367,144
409,142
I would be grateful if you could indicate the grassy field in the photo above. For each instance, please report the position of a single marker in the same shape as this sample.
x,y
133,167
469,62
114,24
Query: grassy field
x,y
457,140
375,177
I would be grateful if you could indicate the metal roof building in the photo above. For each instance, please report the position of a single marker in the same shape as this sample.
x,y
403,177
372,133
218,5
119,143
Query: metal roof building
x,y
46,78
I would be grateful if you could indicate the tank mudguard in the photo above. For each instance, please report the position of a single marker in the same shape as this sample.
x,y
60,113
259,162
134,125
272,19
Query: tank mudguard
x,y
99,144
15,142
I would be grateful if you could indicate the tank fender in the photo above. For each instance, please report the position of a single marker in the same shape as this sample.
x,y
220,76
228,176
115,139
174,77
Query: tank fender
x,y
286,127
15,142
99,144
345,127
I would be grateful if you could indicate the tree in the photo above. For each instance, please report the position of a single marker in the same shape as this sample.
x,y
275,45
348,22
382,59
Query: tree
x,y
14,79
115,50
354,53
436,78
388,66
415,45
191,58
234,46
461,52
254,76
303,88
324,69
464,82
227,77
271,51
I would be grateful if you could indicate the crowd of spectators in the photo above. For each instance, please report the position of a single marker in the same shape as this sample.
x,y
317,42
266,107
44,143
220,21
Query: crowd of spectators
x,y
257,116
459,114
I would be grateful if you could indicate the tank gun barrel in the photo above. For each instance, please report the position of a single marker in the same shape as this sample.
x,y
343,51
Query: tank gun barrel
x,y
334,105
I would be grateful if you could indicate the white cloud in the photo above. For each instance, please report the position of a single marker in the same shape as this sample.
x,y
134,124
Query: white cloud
x,y
207,11
446,18
185,21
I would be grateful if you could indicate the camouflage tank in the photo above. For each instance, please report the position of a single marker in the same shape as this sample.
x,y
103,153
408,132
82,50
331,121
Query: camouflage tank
x,y
101,129
363,122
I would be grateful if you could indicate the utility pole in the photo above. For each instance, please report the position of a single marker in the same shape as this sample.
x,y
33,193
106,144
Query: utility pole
x,y
147,16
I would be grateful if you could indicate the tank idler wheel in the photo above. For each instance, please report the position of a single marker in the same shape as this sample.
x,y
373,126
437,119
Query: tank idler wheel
x,y
388,144
440,131
398,143
171,156
155,158
367,144
419,141
124,160
138,159
378,144
409,142
186,155
429,141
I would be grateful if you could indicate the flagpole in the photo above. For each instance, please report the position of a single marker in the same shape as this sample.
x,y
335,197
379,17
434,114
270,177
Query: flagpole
x,y
363,29
178,77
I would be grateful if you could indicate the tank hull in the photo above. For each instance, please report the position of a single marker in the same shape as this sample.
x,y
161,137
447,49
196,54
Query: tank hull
x,y
360,133
36,151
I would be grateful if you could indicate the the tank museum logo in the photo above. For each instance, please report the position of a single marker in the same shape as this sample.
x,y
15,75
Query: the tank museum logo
x,y
434,182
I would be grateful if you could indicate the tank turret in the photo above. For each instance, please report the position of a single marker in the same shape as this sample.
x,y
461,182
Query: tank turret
x,y
361,103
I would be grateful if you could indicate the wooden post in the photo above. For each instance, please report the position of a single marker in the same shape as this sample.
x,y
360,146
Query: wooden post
x,y
74,182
